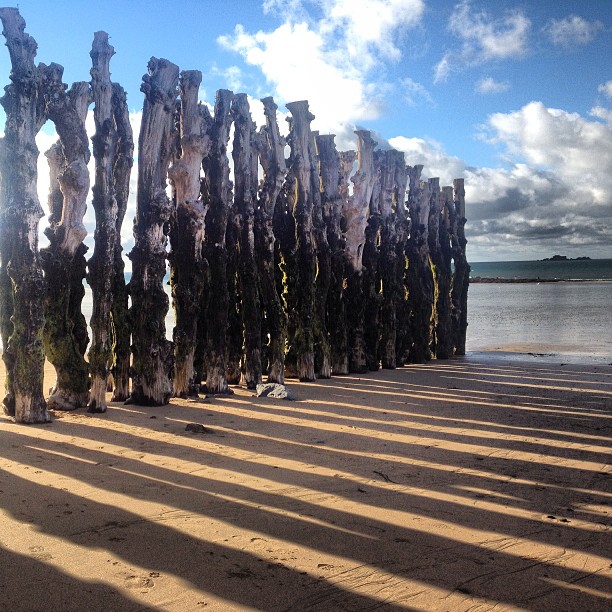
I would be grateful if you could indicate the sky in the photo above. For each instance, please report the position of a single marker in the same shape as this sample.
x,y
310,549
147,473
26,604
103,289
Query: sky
x,y
513,96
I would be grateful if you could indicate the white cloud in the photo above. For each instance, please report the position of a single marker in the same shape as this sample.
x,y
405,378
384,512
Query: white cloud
x,y
606,89
415,92
483,38
490,85
601,113
572,31
549,192
331,60
552,191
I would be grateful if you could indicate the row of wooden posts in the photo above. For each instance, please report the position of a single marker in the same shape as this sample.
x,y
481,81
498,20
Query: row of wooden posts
x,y
287,271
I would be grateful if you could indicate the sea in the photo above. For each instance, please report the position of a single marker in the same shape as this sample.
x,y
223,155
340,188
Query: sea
x,y
566,320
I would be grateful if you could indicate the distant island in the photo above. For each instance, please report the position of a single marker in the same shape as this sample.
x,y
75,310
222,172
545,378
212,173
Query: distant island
x,y
565,258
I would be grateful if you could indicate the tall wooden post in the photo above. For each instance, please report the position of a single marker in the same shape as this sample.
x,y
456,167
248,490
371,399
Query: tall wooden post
x,y
22,313
443,265
461,277
270,146
62,259
300,181
152,352
216,166
187,232
355,213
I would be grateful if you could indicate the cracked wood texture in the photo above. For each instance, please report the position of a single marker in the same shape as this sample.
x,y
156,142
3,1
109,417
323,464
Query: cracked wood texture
x,y
271,149
355,215
299,181
101,266
461,277
152,352
187,232
245,197
219,194
124,159
334,170
63,260
21,278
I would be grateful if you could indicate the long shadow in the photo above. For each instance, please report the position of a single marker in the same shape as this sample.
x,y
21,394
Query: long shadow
x,y
421,479
398,550
27,583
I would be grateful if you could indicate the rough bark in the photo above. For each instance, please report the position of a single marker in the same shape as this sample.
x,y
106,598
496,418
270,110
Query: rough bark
x,y
433,245
419,277
270,146
187,232
461,277
245,181
355,213
152,352
105,206
124,159
334,170
443,264
22,313
216,166
371,280
286,271
300,181
392,243
323,276
62,260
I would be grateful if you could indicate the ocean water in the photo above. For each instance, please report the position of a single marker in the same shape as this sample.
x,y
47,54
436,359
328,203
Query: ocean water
x,y
563,318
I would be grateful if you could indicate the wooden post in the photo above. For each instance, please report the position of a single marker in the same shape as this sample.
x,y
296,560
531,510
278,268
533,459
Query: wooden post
x,y
334,169
443,265
62,261
245,196
187,266
219,192
420,277
105,206
152,352
270,146
372,287
22,313
300,178
124,159
394,231
461,277
355,213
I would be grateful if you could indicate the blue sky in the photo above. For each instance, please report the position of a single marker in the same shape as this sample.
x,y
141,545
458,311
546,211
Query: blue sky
x,y
515,97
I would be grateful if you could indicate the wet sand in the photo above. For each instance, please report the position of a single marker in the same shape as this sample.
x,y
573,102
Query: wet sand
x,y
478,483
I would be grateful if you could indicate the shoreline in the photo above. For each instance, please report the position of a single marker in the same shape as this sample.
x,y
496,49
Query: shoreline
x,y
481,480
497,279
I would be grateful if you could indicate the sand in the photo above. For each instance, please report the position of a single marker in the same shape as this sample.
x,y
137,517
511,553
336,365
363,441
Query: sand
x,y
478,483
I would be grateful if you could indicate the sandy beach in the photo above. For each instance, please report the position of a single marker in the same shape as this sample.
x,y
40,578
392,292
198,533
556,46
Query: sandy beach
x,y
478,483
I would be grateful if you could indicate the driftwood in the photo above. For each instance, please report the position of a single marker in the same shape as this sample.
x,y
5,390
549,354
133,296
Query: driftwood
x,y
152,352
63,260
187,232
22,275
